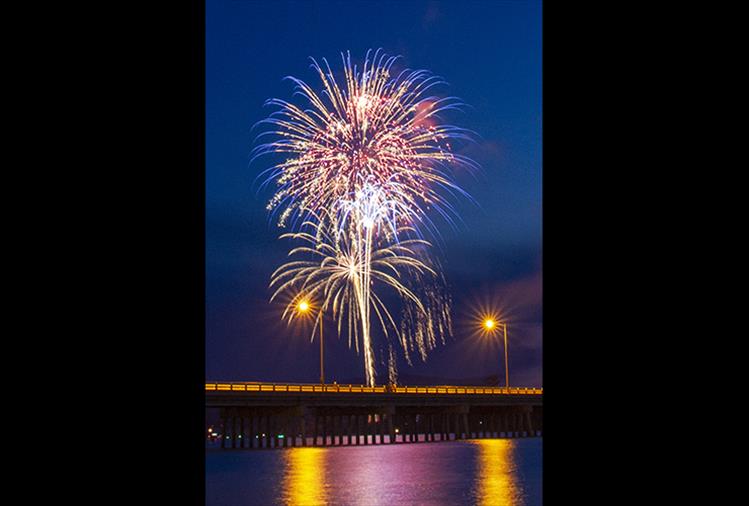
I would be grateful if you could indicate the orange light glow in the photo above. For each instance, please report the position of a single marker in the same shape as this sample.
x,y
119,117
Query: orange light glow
x,y
303,306
496,479
489,323
305,477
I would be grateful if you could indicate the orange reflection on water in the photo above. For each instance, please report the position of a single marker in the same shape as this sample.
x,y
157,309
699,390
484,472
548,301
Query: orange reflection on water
x,y
304,482
496,483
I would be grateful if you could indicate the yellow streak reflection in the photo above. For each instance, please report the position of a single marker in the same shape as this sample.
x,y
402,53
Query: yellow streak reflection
x,y
305,477
496,482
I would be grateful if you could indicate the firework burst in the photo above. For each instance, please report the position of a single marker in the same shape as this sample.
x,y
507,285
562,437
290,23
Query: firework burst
x,y
363,164
332,269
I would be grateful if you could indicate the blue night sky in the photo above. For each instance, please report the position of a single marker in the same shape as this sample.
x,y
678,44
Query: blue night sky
x,y
490,54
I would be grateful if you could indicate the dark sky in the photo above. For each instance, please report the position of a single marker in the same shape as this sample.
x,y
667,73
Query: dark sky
x,y
490,54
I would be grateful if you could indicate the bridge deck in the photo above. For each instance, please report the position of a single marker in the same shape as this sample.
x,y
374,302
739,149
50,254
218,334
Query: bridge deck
x,y
250,386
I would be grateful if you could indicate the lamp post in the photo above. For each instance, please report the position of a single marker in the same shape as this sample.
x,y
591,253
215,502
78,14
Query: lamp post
x,y
490,324
303,307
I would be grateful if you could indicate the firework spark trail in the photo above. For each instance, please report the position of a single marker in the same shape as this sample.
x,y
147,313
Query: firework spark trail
x,y
336,273
363,164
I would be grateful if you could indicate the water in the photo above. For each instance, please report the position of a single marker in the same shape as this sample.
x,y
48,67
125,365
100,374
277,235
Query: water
x,y
480,471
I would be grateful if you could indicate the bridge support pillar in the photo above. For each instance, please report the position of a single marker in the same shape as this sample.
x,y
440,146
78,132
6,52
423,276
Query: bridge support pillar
x,y
243,439
303,429
233,430
250,431
223,432
269,421
391,429
528,421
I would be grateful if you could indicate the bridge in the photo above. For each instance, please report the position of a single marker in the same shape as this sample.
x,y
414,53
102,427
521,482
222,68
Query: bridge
x,y
280,415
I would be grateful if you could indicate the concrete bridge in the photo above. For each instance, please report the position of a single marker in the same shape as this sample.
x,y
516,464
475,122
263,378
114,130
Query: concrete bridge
x,y
271,415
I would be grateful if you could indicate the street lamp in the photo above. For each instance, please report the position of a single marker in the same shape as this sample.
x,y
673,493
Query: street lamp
x,y
490,324
303,307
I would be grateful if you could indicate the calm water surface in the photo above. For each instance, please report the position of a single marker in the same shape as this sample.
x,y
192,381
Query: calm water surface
x,y
481,471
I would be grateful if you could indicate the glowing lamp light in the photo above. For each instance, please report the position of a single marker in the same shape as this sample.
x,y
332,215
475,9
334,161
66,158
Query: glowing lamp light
x,y
303,306
489,323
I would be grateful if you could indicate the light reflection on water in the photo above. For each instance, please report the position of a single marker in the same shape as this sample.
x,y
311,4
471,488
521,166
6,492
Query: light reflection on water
x,y
482,472
305,476
496,477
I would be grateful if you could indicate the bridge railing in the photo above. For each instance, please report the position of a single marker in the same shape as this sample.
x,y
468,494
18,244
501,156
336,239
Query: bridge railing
x,y
298,387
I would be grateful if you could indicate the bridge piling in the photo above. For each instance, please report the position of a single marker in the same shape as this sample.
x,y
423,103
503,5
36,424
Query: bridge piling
x,y
250,430
233,431
268,429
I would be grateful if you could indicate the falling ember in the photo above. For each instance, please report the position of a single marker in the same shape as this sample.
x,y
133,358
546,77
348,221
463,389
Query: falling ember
x,y
363,162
